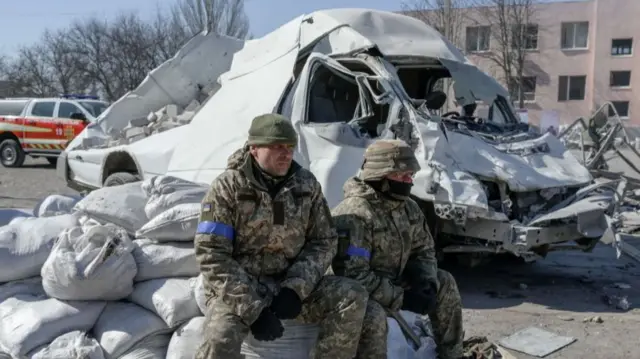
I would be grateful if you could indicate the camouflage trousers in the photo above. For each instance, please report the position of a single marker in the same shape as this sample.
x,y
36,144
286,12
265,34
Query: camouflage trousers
x,y
446,322
337,305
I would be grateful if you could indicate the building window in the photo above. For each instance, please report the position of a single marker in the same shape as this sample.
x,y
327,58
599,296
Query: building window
x,y
575,35
620,79
621,47
571,88
528,89
622,107
525,36
478,38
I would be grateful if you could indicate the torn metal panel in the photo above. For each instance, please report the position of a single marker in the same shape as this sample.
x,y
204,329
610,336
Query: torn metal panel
x,y
179,80
395,35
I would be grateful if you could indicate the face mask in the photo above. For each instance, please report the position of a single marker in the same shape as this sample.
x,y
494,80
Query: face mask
x,y
399,190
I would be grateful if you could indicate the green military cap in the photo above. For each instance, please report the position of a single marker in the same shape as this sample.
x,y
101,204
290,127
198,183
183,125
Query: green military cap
x,y
384,157
272,129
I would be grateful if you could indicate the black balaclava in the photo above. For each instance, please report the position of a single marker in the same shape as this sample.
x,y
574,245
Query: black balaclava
x,y
395,190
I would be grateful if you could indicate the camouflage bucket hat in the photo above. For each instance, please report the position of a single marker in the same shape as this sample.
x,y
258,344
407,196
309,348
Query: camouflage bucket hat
x,y
272,129
387,156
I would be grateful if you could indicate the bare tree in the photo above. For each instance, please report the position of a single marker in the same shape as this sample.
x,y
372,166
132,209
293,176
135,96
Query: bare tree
x,y
226,17
132,52
65,69
514,34
446,16
32,66
114,56
170,34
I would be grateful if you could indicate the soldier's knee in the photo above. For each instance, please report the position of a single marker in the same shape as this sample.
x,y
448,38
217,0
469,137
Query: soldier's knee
x,y
448,288
446,280
351,292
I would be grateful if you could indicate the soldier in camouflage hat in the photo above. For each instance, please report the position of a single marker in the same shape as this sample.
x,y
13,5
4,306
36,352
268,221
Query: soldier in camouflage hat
x,y
264,242
384,243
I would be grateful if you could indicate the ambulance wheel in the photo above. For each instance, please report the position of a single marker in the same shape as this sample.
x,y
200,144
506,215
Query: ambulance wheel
x,y
11,154
120,178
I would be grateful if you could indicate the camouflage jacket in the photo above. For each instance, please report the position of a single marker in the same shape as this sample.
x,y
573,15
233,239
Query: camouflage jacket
x,y
379,240
245,236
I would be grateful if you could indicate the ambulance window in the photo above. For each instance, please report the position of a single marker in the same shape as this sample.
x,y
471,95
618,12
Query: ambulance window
x,y
66,109
43,109
12,107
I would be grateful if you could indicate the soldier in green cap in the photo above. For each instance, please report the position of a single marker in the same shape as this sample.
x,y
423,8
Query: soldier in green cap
x,y
264,242
384,243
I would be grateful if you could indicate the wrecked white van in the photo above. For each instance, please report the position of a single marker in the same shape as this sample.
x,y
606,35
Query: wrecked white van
x,y
348,76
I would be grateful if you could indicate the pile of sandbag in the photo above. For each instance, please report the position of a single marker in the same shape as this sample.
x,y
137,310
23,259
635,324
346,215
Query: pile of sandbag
x,y
114,275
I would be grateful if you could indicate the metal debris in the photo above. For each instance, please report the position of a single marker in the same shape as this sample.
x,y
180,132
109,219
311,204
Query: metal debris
x,y
536,342
596,319
618,302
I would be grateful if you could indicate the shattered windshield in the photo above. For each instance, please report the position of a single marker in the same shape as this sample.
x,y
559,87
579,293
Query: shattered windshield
x,y
497,112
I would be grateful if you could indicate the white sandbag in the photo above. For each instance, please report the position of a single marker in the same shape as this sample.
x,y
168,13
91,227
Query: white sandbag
x,y
8,215
151,347
170,298
198,294
166,192
178,223
92,265
122,325
399,347
31,286
73,345
121,205
186,340
28,321
163,260
55,205
25,246
296,342
18,219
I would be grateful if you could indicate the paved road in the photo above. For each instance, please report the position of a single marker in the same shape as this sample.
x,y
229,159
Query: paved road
x,y
24,187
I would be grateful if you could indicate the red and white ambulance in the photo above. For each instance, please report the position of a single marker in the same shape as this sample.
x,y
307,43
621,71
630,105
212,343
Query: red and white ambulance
x,y
42,127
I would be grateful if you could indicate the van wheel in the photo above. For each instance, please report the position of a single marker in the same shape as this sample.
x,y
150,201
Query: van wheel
x,y
120,178
11,154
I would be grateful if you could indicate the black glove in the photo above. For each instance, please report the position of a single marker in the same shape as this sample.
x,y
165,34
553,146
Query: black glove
x,y
287,304
421,300
267,327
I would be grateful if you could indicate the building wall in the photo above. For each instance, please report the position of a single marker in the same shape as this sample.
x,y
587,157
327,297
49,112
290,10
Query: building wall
x,y
607,19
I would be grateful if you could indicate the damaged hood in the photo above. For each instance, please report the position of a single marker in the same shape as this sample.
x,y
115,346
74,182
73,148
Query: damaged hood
x,y
453,162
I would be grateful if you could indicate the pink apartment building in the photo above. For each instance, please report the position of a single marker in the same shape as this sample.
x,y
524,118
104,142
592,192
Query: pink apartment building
x,y
583,53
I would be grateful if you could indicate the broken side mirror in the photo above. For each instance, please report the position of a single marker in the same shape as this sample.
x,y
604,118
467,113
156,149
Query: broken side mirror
x,y
78,116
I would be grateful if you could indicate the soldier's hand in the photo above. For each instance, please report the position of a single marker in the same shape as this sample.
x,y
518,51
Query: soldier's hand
x,y
421,300
267,327
287,304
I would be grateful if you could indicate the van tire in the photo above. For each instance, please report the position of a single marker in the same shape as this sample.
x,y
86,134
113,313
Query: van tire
x,y
11,154
120,178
